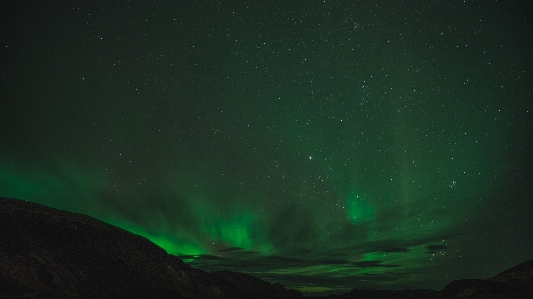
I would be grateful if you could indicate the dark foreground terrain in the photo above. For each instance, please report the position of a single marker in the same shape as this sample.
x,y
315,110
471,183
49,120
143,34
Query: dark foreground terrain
x,y
48,253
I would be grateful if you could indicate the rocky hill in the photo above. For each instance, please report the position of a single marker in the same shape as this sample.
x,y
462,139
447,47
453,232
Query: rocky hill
x,y
515,282
50,253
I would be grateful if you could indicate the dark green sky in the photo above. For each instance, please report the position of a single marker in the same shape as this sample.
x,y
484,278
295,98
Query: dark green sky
x,y
326,145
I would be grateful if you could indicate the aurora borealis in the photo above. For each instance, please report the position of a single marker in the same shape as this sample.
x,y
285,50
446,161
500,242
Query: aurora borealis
x,y
326,145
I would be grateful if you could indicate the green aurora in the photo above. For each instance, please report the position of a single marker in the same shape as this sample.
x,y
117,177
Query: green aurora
x,y
325,145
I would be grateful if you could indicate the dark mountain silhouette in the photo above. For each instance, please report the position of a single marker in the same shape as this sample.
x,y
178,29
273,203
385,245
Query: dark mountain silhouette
x,y
49,253
46,252
515,282
394,294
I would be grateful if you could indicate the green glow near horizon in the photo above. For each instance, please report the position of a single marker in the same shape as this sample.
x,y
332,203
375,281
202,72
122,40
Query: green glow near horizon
x,y
238,229
169,243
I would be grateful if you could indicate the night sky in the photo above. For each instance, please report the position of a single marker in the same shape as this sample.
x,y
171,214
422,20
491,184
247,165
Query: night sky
x,y
326,145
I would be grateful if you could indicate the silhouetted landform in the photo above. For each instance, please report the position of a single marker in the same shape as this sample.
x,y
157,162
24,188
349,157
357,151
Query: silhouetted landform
x,y
395,294
49,253
515,282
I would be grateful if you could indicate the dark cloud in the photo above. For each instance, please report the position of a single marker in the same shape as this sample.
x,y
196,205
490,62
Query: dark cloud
x,y
412,242
396,249
275,258
432,249
338,254
373,264
332,262
436,247
253,263
231,249
201,257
